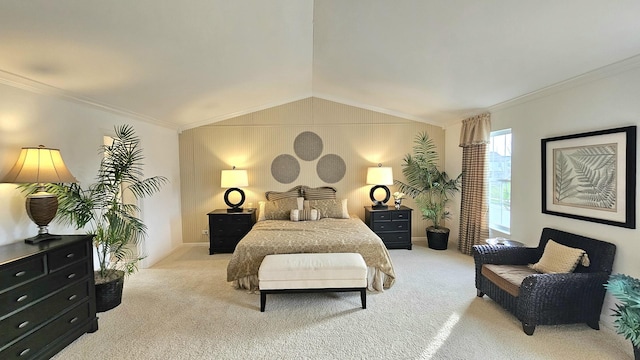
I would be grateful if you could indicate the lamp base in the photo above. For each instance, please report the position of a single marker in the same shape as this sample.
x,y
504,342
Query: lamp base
x,y
379,206
41,238
235,210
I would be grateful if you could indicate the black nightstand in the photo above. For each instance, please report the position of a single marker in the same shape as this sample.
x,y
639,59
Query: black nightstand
x,y
391,224
227,228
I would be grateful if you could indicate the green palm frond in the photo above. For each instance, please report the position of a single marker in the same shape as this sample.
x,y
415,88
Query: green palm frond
x,y
430,187
100,208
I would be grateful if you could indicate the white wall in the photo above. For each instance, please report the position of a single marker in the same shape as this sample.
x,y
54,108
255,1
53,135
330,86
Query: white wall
x,y
30,119
606,102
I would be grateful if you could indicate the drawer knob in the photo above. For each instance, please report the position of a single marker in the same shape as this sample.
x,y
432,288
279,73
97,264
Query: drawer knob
x,y
24,352
23,325
70,255
20,273
73,297
71,276
73,320
22,298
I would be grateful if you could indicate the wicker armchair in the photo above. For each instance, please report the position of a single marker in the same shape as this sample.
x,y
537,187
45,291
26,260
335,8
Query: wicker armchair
x,y
549,299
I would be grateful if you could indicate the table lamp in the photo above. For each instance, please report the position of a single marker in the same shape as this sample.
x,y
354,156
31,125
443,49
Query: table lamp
x,y
380,177
233,179
40,165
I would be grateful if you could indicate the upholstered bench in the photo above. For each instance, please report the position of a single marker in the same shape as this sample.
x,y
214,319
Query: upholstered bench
x,y
317,272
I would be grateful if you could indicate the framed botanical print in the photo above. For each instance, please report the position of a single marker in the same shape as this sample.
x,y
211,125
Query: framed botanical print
x,y
591,176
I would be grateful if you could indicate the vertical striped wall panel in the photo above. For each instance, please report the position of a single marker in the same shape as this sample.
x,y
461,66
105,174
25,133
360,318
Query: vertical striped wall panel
x,y
362,138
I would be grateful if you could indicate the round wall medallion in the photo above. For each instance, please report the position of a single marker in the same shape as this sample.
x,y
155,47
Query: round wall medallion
x,y
331,168
285,168
308,145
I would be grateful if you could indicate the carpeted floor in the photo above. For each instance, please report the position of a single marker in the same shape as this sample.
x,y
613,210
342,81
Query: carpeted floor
x,y
183,308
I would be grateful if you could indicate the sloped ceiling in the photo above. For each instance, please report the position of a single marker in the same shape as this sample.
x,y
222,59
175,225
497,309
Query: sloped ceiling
x,y
183,64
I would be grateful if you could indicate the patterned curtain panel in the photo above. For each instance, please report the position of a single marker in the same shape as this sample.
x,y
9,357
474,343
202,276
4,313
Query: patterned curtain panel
x,y
474,211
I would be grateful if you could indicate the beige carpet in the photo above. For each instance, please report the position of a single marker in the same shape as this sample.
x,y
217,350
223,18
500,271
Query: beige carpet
x,y
183,308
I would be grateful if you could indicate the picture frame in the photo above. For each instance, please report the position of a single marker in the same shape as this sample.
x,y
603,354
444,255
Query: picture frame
x,y
591,176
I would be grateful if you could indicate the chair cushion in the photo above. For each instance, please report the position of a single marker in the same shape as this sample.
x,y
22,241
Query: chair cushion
x,y
507,277
558,258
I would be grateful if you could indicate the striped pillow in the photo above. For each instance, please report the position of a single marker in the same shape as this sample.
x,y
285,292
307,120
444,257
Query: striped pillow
x,y
319,193
305,215
277,195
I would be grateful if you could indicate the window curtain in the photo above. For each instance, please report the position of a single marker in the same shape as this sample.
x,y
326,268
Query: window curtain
x,y
474,210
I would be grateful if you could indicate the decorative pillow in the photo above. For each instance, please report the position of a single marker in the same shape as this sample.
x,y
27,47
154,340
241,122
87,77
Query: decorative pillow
x,y
278,209
319,193
277,195
558,258
329,208
305,215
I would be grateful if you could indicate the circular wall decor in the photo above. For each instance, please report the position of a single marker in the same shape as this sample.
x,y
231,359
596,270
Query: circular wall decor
x,y
285,168
331,168
308,145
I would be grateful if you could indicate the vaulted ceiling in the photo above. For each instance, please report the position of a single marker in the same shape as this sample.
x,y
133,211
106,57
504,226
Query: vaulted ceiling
x,y
188,63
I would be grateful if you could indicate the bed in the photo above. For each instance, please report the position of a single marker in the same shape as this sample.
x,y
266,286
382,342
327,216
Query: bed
x,y
332,230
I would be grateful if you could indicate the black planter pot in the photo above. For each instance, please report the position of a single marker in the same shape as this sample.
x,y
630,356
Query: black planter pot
x,y
437,239
109,294
636,352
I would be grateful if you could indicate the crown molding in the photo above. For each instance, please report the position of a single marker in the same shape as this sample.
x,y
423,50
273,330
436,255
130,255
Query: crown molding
x,y
23,83
576,81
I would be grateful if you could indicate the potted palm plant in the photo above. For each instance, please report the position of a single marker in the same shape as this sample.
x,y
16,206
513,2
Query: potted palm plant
x,y
108,210
626,289
429,187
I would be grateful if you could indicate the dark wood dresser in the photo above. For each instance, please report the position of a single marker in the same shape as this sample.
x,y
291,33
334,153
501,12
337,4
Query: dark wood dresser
x,y
226,229
47,296
392,225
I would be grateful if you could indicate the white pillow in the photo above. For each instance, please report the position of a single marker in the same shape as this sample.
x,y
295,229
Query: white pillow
x,y
305,215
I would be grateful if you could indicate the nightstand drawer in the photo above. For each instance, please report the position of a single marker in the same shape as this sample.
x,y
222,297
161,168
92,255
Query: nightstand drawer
x,y
219,220
381,216
400,216
395,238
22,271
390,226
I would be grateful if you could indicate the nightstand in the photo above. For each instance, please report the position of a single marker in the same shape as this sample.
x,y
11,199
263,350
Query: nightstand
x,y
227,228
392,225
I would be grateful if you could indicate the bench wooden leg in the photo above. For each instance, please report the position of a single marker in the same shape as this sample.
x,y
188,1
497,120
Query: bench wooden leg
x,y
363,298
263,300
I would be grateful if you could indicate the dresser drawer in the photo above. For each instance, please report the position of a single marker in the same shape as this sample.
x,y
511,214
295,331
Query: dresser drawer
x,y
23,295
67,255
22,322
31,346
390,226
22,271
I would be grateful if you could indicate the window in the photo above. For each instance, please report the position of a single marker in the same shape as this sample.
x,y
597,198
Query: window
x,y
499,192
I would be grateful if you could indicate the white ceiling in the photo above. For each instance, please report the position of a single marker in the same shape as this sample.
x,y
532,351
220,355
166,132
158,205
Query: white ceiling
x,y
188,63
